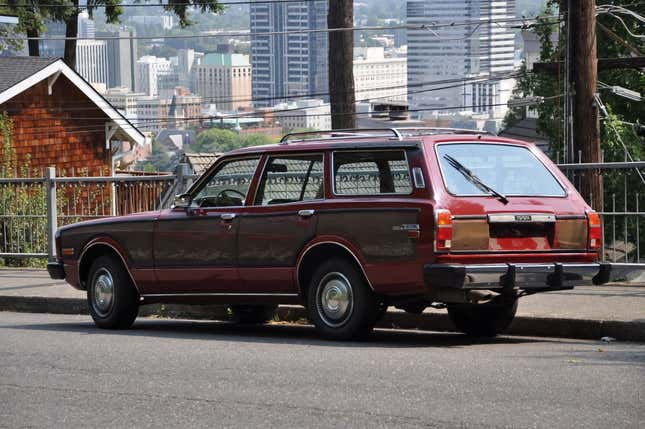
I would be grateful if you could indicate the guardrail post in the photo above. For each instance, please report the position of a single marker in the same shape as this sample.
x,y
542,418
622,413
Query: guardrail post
x,y
183,170
52,212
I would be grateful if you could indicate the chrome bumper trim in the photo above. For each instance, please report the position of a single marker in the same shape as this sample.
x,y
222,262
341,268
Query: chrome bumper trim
x,y
548,276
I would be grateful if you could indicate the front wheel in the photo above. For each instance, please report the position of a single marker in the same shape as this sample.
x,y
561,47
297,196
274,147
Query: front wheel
x,y
483,320
112,298
340,303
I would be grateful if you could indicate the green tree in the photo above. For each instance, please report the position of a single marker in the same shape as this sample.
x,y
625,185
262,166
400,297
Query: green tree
x,y
550,114
221,140
32,15
216,140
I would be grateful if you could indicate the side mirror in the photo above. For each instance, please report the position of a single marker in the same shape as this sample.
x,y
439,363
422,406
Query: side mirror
x,y
182,201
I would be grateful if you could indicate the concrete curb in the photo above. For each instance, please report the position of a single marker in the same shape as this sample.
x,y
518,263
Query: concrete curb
x,y
521,326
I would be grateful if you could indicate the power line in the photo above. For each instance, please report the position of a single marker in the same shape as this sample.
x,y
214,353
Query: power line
x,y
197,4
299,116
83,106
429,27
149,121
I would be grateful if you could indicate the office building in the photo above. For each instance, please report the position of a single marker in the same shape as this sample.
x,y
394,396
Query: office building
x,y
482,46
224,80
288,64
147,71
122,56
377,78
313,114
92,61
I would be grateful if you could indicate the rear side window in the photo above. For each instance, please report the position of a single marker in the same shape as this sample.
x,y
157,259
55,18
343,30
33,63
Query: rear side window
x,y
371,173
291,179
510,170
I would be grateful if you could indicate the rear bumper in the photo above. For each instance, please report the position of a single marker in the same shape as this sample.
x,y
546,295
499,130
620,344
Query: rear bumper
x,y
56,270
553,276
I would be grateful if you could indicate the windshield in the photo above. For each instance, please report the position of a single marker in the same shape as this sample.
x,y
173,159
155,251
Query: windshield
x,y
509,170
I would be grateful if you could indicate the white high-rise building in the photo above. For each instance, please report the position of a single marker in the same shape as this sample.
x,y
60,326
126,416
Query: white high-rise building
x,y
377,78
483,48
288,64
92,60
147,71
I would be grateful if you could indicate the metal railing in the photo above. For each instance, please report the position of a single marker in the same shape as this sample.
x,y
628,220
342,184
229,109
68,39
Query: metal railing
x,y
623,214
32,208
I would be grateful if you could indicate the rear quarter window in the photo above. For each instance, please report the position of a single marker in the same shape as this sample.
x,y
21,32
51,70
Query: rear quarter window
x,y
371,173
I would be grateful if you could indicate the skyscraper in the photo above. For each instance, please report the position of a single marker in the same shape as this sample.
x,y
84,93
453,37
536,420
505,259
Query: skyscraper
x,y
288,64
92,60
484,47
122,56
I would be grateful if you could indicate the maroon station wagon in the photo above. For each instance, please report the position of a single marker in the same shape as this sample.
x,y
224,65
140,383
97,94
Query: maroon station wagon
x,y
348,223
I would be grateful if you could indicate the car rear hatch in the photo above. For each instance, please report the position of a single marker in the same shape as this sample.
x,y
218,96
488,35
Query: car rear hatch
x,y
519,231
503,198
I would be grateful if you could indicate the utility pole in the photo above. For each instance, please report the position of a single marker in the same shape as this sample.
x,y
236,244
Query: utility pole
x,y
586,118
341,64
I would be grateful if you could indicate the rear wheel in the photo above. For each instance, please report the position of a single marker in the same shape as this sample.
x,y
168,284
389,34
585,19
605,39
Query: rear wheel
x,y
112,298
483,320
252,314
340,303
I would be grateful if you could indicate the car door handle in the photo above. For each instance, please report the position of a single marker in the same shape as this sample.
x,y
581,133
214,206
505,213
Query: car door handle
x,y
306,213
228,216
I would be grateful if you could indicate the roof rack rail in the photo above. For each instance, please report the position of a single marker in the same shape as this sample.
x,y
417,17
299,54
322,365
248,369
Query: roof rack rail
x,y
427,130
344,133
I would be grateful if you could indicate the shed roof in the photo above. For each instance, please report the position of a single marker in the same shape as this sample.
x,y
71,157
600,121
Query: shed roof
x,y
200,162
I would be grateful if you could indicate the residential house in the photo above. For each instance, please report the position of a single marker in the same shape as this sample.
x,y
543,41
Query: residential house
x,y
59,119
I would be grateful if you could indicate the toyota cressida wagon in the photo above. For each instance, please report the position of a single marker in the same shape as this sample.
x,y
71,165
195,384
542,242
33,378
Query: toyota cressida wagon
x,y
346,224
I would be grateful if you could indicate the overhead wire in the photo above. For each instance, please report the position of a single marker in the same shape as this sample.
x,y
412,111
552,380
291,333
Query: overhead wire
x,y
260,116
458,83
248,33
286,98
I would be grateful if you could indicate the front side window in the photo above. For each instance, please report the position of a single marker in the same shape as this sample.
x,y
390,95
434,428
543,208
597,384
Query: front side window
x,y
371,173
229,185
509,170
291,179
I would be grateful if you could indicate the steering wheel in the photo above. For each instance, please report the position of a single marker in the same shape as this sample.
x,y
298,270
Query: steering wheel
x,y
223,199
223,193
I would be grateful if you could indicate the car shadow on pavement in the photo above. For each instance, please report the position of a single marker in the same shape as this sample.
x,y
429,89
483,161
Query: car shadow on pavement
x,y
279,333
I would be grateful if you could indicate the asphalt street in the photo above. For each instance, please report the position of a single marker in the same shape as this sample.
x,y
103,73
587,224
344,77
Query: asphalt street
x,y
61,371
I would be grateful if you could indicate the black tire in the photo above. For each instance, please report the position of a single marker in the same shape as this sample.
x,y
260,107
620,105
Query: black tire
x,y
119,310
483,320
252,314
352,308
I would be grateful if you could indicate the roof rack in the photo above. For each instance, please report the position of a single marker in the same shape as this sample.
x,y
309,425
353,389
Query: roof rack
x,y
397,133
344,133
419,131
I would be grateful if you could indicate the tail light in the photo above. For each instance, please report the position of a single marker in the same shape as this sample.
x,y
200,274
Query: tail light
x,y
595,230
443,230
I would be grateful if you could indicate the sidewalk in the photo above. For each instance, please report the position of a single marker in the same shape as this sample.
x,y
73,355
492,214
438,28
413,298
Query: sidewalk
x,y
592,312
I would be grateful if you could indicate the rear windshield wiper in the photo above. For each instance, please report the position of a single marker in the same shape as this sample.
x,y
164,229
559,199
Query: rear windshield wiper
x,y
472,177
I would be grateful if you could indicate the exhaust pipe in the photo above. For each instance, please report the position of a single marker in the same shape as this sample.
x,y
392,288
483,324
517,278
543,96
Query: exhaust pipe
x,y
481,296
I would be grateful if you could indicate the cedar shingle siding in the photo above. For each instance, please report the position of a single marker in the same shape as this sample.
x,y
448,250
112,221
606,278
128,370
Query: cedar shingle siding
x,y
64,129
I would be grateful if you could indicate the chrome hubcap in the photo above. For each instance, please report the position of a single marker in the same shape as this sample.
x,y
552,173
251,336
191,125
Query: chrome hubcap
x,y
103,292
335,299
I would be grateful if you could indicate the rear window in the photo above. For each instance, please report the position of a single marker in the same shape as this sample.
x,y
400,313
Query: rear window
x,y
509,170
371,173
